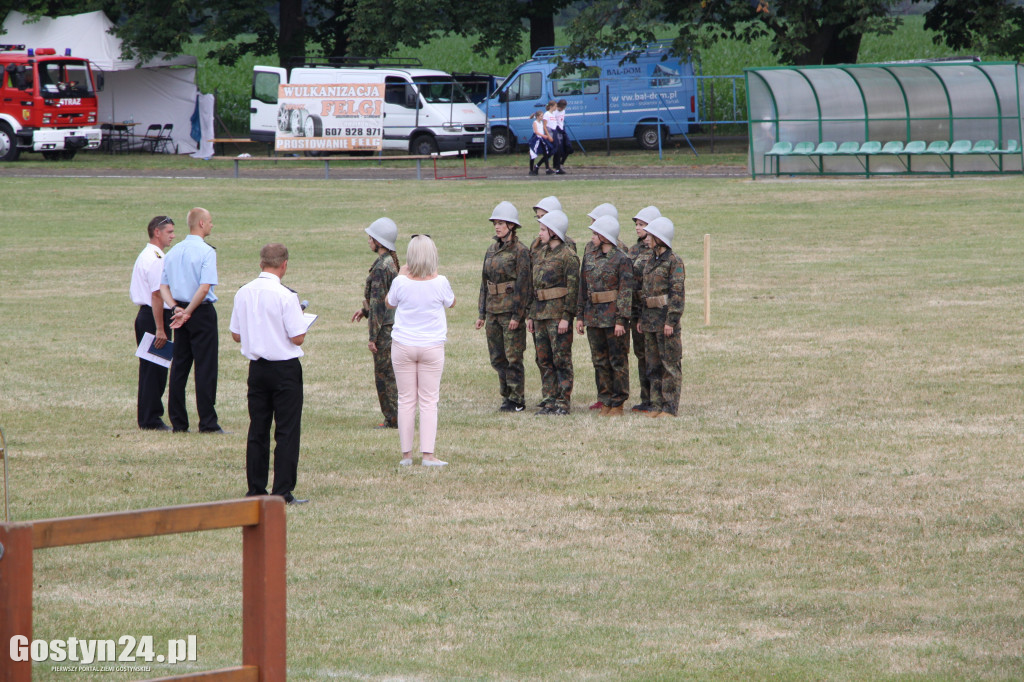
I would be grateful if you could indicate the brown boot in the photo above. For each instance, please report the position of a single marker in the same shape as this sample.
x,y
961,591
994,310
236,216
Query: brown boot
x,y
604,411
653,413
614,411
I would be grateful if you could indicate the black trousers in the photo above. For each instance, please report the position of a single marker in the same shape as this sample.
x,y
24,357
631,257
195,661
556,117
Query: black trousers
x,y
152,377
195,342
275,394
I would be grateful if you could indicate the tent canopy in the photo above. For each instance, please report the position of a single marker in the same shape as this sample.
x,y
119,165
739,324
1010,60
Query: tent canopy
x,y
160,91
88,35
901,102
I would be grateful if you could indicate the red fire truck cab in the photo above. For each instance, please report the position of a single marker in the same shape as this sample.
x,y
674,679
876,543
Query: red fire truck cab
x,y
47,103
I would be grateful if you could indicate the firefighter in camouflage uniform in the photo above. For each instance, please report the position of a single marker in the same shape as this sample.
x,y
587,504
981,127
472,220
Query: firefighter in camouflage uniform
x,y
504,295
556,273
382,235
604,308
639,254
663,296
546,205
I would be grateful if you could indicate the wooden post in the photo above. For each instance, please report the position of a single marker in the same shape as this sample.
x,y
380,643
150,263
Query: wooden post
x,y
264,628
15,598
707,279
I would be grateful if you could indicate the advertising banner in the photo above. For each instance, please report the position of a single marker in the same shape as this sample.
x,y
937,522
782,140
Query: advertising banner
x,y
343,117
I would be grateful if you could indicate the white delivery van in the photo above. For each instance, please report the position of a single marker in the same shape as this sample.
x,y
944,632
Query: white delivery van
x,y
425,111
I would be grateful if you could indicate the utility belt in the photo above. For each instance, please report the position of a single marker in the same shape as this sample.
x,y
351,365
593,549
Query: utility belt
x,y
553,292
500,287
656,301
603,296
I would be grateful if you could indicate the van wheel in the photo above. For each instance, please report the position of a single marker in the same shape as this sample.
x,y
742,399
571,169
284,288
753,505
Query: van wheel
x,y
423,145
313,126
295,122
501,141
8,143
647,136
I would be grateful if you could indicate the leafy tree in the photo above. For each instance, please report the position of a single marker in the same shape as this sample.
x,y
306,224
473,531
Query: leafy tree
x,y
803,32
982,26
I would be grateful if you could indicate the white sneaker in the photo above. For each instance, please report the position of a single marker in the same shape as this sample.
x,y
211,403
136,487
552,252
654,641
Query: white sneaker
x,y
405,462
434,463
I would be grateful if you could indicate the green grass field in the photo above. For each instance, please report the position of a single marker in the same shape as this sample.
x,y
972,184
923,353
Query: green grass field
x,y
840,497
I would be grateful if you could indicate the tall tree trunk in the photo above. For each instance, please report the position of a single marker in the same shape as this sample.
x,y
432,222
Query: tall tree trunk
x,y
291,41
542,31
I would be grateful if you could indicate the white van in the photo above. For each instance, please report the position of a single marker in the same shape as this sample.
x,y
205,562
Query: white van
x,y
425,111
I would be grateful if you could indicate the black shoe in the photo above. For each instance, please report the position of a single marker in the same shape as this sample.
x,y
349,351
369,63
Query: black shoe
x,y
160,427
217,430
177,430
289,499
511,406
547,402
558,411
560,172
545,410
642,407
533,172
549,172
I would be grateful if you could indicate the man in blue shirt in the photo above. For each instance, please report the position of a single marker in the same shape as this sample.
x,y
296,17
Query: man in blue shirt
x,y
190,274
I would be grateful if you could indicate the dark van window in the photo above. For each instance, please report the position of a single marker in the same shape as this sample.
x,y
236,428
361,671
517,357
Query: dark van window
x,y
526,86
398,91
582,82
264,87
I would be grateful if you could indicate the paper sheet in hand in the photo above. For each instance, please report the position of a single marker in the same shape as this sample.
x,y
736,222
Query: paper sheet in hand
x,y
146,352
310,319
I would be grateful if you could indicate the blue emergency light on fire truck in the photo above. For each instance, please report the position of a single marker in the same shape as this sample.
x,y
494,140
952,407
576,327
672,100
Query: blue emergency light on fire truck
x,y
642,94
47,103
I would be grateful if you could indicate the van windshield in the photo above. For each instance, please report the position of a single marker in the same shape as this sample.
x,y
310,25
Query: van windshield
x,y
441,90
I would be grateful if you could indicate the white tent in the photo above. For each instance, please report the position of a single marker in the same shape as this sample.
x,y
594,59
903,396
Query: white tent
x,y
162,90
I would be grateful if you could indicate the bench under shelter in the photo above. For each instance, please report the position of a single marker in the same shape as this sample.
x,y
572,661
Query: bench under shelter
x,y
929,118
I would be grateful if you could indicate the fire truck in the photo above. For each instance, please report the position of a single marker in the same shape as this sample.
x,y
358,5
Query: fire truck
x,y
47,103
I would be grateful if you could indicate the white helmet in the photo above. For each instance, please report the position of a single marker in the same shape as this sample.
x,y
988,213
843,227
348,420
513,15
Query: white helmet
x,y
507,212
647,214
549,204
608,227
384,231
663,229
604,209
556,221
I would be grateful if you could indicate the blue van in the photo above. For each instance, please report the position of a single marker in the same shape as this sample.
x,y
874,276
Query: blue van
x,y
605,98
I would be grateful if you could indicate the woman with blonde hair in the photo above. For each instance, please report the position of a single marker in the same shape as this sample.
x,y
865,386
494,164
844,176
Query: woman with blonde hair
x,y
419,296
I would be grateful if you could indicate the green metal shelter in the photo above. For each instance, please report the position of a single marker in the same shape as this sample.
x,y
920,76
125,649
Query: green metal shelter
x,y
944,117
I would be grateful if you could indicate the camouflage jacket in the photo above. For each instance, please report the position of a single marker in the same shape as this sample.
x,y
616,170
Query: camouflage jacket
x,y
664,276
639,253
555,268
508,263
378,283
537,245
603,272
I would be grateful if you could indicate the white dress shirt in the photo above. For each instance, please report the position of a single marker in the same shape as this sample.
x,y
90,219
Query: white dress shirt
x,y
267,314
149,267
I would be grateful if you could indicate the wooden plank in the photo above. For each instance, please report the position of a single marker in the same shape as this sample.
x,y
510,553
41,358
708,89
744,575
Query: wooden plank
x,y
319,158
242,673
15,597
264,620
146,522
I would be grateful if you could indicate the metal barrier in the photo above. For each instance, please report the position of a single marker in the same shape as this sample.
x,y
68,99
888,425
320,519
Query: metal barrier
x,y
262,520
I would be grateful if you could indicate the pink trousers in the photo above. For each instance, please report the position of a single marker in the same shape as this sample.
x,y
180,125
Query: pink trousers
x,y
418,377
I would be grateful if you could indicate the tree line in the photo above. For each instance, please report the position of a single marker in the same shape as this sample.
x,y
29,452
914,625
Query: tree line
x,y
802,32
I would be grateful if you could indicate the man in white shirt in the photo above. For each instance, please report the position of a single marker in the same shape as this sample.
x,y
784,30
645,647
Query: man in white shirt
x,y
267,320
153,317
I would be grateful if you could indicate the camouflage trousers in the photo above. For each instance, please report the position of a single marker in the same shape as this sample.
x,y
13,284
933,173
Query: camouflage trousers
x,y
610,355
554,359
384,376
641,364
664,369
506,349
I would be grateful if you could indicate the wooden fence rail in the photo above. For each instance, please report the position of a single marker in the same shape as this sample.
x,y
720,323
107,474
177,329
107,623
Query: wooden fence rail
x,y
262,520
